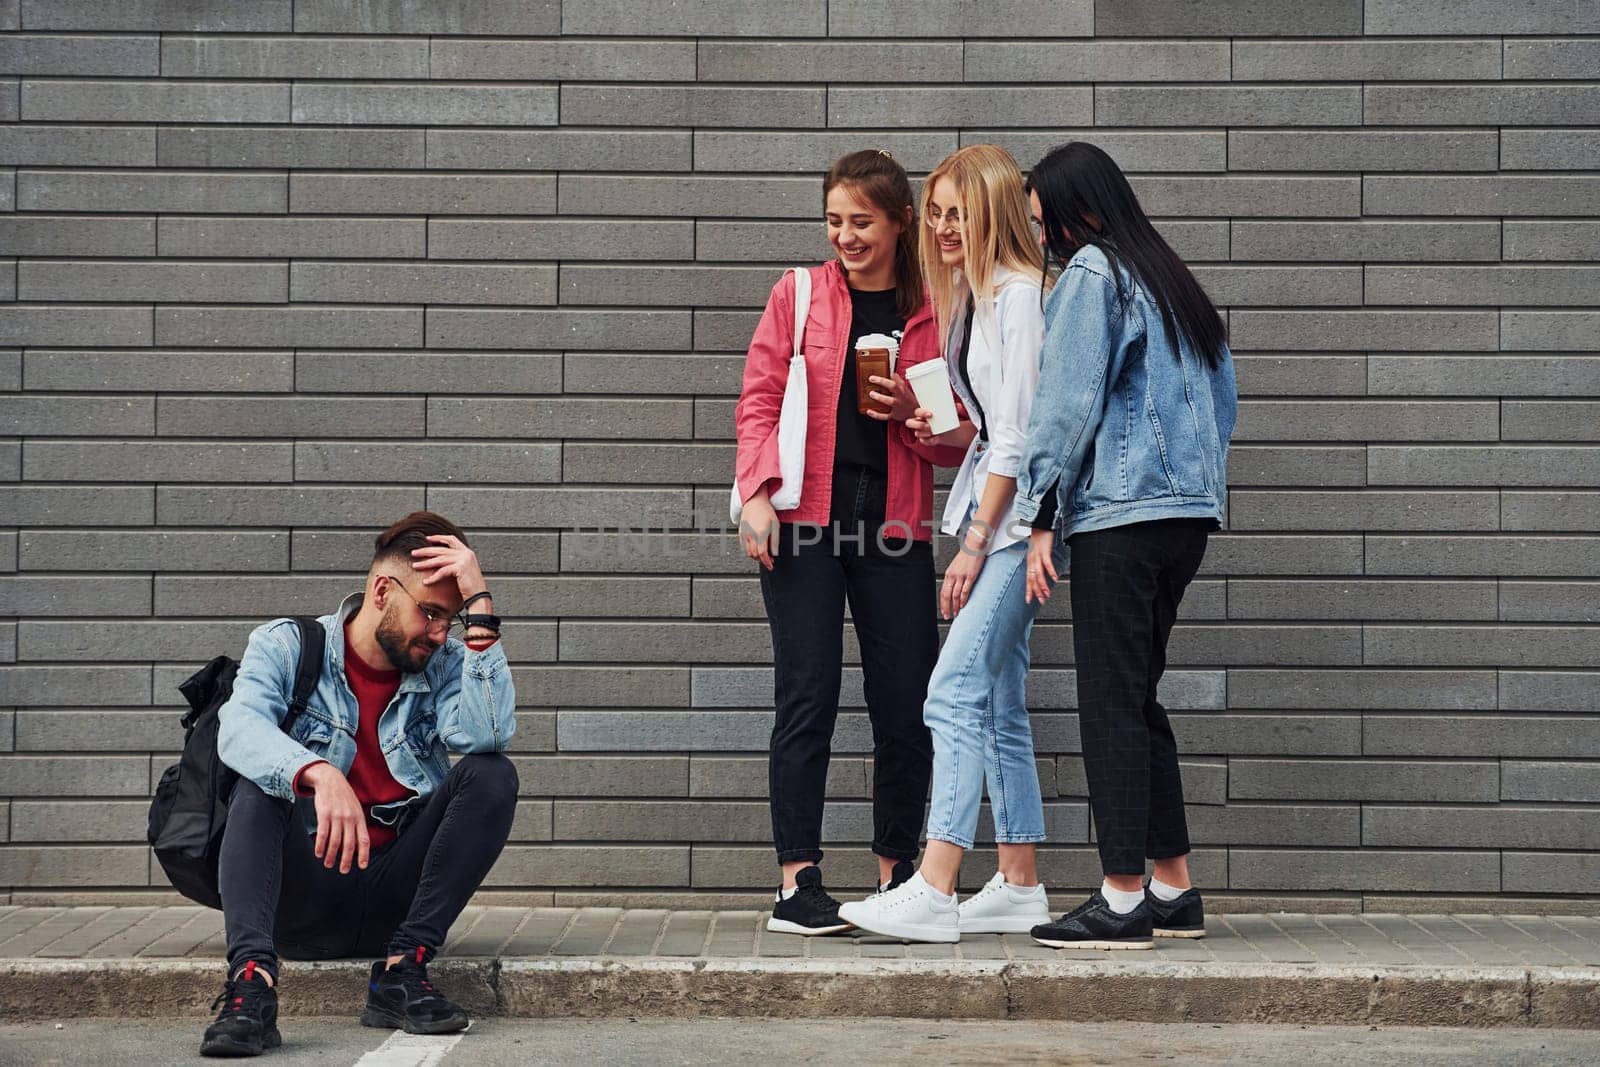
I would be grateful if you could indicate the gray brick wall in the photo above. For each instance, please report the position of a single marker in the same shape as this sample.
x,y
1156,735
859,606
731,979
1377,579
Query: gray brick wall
x,y
274,272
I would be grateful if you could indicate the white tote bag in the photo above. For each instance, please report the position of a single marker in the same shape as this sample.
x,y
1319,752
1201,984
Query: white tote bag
x,y
792,417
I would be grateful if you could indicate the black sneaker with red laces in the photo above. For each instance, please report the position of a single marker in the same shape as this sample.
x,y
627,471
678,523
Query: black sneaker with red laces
x,y
247,1025
402,998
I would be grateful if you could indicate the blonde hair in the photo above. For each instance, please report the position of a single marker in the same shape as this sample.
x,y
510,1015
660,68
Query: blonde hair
x,y
995,230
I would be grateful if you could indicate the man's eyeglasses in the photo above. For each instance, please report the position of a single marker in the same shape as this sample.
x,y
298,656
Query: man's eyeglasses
x,y
934,217
439,621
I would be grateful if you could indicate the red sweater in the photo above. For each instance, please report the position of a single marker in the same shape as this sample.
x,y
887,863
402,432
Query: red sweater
x,y
369,773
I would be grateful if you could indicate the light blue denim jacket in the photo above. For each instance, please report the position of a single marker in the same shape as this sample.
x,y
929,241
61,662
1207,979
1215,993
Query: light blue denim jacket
x,y
462,701
1134,432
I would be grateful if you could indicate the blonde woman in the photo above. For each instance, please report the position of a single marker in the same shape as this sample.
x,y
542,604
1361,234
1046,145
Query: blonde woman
x,y
986,274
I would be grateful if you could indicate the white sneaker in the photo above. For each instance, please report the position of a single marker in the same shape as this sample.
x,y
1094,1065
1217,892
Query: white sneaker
x,y
999,908
908,912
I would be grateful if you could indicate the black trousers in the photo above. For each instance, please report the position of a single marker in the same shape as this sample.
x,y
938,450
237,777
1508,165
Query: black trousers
x,y
889,586
279,900
1127,582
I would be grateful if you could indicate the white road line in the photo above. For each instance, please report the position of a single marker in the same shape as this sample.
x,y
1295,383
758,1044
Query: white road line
x,y
410,1050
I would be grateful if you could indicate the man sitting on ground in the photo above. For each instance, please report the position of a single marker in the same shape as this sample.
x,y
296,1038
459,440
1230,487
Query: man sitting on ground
x,y
352,834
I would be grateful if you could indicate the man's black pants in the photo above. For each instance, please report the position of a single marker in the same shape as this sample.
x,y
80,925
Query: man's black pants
x,y
279,900
889,584
1127,582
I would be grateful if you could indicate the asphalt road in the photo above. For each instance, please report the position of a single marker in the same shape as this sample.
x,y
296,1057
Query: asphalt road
x,y
323,1042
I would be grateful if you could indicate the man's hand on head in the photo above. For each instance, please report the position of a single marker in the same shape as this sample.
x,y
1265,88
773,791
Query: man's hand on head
x,y
447,557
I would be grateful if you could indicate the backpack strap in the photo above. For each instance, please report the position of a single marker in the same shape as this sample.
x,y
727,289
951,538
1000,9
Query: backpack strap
x,y
313,638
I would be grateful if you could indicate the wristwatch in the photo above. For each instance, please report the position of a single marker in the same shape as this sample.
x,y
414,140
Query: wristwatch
x,y
487,622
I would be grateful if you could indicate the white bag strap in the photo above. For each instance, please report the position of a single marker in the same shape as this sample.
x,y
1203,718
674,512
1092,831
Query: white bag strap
x,y
802,305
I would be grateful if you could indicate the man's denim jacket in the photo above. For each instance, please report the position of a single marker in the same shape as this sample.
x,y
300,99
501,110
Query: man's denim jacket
x,y
462,701
1134,430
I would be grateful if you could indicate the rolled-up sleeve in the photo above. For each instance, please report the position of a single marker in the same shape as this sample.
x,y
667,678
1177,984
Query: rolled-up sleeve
x,y
476,702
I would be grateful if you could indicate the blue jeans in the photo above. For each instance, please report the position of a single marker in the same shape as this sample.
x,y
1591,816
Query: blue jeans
x,y
978,713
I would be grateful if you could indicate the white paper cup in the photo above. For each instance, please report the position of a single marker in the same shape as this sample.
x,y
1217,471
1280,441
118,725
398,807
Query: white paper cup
x,y
930,381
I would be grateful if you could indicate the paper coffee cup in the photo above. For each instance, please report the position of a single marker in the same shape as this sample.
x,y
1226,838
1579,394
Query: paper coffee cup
x,y
930,381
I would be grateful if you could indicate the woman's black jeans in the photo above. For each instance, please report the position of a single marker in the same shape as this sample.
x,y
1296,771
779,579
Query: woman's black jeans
x,y
889,586
279,900
1127,582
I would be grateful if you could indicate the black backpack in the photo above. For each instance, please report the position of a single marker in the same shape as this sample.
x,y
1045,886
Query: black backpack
x,y
190,807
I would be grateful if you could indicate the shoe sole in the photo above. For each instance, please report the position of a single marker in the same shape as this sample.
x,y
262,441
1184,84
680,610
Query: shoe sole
x,y
932,935
384,1020
1196,933
1110,946
784,926
1003,926
227,1047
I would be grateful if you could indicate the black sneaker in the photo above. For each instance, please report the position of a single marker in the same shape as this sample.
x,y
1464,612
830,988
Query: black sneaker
x,y
1184,917
1093,924
899,876
810,911
402,998
247,1025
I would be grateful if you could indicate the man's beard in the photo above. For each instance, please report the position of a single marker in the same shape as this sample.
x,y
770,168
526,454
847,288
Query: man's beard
x,y
406,658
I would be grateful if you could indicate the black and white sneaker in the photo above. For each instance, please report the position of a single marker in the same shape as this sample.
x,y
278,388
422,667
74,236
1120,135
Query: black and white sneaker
x,y
898,876
1184,917
1093,924
809,911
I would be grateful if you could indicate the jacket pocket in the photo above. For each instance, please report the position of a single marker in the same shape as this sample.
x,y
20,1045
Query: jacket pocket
x,y
820,358
1152,466
422,738
1176,426
312,732
422,735
1080,492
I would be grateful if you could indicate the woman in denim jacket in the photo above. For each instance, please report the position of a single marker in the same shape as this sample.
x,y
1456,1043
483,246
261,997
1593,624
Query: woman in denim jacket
x,y
1129,439
987,278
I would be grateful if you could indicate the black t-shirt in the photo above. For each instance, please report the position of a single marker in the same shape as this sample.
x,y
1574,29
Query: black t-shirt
x,y
966,375
864,441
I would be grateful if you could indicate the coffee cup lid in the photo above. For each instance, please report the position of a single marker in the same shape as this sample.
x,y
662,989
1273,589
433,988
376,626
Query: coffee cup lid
x,y
878,340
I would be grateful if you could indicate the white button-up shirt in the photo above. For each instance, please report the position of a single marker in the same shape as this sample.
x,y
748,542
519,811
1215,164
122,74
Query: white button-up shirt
x,y
1003,363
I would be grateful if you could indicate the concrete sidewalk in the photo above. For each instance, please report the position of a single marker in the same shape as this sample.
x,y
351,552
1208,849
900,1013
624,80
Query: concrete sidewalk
x,y
1460,970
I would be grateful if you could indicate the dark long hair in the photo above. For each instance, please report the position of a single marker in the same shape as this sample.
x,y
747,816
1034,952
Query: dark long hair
x,y
878,178
1079,179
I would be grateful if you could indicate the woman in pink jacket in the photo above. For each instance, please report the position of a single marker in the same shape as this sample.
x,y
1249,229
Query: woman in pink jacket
x,y
861,532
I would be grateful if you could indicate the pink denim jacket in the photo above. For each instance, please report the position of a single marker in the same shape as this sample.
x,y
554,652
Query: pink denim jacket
x,y
827,332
